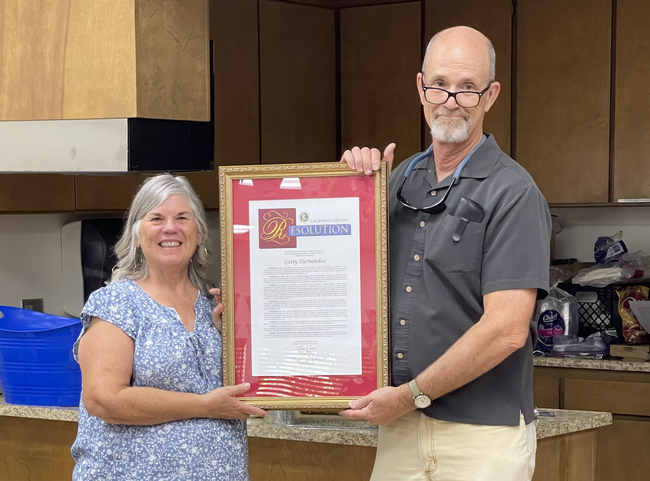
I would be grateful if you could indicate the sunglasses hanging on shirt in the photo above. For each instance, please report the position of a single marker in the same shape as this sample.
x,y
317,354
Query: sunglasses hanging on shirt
x,y
439,206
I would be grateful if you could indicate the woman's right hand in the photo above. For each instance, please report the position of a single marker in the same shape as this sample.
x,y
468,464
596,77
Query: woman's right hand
x,y
222,403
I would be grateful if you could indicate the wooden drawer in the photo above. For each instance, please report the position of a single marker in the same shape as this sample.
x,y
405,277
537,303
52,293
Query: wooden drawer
x,y
546,391
616,397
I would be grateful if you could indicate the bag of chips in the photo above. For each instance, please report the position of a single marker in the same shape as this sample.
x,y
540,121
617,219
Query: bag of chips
x,y
633,332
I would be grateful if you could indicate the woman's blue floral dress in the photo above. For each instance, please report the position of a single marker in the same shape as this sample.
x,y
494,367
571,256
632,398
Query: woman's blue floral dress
x,y
167,357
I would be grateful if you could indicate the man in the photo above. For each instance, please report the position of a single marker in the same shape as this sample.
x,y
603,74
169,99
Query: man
x,y
470,237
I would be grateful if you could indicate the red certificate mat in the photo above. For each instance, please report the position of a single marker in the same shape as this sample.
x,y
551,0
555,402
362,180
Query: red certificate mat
x,y
282,188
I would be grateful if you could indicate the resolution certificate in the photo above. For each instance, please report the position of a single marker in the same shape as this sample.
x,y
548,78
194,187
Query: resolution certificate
x,y
305,287
304,280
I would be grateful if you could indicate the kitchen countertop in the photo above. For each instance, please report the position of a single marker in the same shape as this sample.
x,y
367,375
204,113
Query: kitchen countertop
x,y
602,364
564,422
38,412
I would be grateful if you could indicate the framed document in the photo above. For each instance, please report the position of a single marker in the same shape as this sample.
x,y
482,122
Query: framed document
x,y
304,279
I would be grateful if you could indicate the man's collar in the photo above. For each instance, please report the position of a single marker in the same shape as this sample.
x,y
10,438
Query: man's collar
x,y
478,167
483,160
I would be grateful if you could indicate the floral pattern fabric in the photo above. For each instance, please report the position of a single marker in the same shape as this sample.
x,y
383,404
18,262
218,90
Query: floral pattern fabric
x,y
169,357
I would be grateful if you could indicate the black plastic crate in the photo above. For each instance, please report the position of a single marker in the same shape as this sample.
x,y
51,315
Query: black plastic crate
x,y
600,315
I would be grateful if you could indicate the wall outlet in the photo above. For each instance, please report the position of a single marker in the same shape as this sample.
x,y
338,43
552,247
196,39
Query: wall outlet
x,y
33,304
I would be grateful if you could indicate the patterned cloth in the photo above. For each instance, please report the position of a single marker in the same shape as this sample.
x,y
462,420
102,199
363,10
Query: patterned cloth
x,y
166,357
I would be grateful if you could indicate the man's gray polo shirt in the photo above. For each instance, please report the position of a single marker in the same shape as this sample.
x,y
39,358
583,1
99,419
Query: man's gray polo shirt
x,y
438,283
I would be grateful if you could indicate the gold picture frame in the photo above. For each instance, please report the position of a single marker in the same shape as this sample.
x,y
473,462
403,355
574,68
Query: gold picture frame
x,y
321,392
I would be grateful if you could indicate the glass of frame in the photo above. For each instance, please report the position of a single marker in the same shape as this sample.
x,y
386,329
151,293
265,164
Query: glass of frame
x,y
304,279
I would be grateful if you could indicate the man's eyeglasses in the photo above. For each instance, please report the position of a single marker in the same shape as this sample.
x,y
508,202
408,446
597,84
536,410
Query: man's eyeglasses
x,y
464,98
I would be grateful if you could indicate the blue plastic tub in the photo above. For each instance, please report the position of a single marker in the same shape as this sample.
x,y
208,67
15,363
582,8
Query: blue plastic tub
x,y
36,363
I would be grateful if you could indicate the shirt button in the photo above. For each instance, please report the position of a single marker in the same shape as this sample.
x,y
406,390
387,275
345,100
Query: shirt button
x,y
408,289
433,192
416,257
402,322
422,223
400,355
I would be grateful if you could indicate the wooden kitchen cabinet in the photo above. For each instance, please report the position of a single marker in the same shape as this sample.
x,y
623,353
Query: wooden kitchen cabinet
x,y
619,447
233,29
380,58
632,102
622,450
567,458
493,18
106,192
563,97
283,460
36,193
297,83
86,59
546,390
82,59
36,449
615,396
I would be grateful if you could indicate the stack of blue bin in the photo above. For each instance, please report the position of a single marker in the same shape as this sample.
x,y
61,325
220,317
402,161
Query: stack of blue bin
x,y
37,366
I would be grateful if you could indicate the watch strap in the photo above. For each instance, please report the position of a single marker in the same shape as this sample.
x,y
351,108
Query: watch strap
x,y
415,390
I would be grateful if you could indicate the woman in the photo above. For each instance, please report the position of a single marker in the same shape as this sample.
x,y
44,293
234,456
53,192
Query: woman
x,y
150,353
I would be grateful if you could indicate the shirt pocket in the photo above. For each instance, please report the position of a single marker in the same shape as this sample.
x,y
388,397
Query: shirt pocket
x,y
443,252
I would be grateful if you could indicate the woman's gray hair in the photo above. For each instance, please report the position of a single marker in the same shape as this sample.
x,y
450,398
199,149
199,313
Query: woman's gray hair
x,y
153,192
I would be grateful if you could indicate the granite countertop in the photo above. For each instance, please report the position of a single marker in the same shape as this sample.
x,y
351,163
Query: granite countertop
x,y
602,364
564,422
38,412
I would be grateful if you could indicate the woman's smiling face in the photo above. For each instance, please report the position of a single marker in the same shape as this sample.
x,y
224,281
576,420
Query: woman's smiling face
x,y
169,234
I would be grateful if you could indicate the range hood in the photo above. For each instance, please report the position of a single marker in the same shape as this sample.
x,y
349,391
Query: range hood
x,y
106,145
105,87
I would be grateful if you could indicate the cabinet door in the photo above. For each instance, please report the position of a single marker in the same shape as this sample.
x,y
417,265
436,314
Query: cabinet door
x,y
233,28
83,59
618,397
622,450
106,192
380,58
297,82
546,390
33,449
493,18
563,97
284,460
36,193
632,102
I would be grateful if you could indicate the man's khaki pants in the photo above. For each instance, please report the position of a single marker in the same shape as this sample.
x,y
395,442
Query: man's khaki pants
x,y
419,448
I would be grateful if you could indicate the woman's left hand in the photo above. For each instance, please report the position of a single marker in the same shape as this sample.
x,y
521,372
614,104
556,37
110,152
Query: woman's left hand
x,y
216,313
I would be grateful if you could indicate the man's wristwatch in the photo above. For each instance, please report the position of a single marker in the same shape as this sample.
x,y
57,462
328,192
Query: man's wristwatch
x,y
421,400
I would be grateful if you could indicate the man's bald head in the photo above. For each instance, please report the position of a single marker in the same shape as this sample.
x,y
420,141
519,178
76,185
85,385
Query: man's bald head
x,y
463,36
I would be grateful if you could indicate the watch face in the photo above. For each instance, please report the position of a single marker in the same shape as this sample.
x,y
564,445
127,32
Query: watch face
x,y
422,401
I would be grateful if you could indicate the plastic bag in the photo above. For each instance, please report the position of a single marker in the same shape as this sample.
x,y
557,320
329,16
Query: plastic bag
x,y
609,249
633,332
556,315
593,346
632,267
